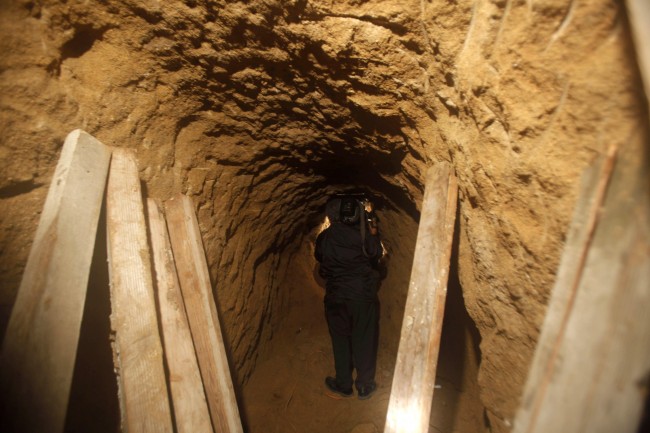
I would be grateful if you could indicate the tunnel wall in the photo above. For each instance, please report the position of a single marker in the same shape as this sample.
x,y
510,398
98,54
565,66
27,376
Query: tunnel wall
x,y
260,110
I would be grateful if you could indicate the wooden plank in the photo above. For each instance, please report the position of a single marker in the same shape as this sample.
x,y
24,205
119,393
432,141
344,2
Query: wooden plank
x,y
40,344
201,310
409,406
191,413
596,378
593,186
639,17
137,348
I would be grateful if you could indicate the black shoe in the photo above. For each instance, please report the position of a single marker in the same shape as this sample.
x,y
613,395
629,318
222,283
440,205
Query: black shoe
x,y
331,385
365,392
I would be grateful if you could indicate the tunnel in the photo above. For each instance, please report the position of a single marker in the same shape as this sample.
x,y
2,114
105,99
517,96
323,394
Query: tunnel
x,y
262,110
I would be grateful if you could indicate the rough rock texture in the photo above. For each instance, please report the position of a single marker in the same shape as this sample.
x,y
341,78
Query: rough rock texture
x,y
259,110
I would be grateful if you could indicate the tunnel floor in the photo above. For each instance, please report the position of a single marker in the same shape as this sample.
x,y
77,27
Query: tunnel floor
x,y
286,393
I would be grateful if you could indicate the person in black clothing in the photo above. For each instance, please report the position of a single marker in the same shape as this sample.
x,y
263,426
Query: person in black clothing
x,y
349,251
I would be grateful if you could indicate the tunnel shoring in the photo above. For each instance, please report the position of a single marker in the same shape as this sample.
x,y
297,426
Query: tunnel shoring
x,y
94,393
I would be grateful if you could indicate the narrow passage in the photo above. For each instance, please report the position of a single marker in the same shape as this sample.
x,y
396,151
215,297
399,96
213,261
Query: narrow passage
x,y
286,393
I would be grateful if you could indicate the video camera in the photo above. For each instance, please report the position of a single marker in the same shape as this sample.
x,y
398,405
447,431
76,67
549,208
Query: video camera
x,y
353,206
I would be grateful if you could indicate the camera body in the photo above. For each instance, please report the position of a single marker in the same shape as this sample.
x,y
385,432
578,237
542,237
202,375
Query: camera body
x,y
355,206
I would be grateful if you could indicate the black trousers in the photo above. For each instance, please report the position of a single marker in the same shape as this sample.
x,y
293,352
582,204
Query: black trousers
x,y
354,328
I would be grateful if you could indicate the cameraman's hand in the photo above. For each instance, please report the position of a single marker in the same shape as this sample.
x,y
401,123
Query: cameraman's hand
x,y
372,226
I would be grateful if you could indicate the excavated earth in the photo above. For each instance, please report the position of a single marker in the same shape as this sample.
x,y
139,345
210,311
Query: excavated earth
x,y
260,110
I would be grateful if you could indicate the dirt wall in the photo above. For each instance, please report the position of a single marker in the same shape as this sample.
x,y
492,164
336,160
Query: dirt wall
x,y
259,110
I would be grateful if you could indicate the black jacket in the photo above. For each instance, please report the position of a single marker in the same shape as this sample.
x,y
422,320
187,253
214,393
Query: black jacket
x,y
348,272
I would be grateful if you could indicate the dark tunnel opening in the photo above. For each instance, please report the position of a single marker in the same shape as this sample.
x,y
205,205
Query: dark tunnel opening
x,y
302,336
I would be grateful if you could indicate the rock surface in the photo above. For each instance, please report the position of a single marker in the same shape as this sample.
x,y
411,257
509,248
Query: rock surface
x,y
260,110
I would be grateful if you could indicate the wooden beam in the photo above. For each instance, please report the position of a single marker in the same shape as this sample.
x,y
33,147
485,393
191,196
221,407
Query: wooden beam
x,y
138,354
409,407
195,284
40,344
590,370
188,398
639,17
593,187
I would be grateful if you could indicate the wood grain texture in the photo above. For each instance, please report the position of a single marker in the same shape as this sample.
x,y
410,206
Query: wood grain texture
x,y
201,310
137,348
191,413
40,344
409,406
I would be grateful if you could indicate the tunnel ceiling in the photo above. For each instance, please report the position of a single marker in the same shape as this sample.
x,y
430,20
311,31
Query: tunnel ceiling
x,y
259,110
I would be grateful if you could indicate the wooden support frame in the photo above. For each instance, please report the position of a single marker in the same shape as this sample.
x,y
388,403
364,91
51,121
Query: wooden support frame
x,y
195,285
138,354
409,407
42,336
589,372
191,413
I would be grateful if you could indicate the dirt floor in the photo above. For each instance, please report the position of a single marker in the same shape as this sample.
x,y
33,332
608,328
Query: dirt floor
x,y
286,393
